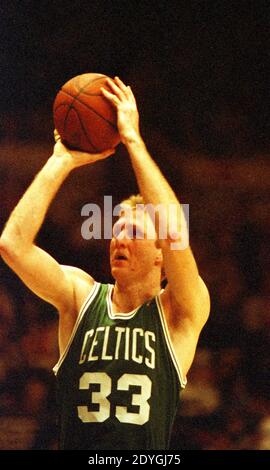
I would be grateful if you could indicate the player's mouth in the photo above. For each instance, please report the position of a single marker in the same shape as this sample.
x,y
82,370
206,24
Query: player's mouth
x,y
119,257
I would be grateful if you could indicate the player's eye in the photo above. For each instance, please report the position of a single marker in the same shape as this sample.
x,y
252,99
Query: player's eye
x,y
135,232
117,228
139,233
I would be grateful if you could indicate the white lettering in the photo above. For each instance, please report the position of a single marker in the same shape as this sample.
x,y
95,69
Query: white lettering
x,y
86,336
91,227
127,344
119,331
136,331
105,356
150,362
94,343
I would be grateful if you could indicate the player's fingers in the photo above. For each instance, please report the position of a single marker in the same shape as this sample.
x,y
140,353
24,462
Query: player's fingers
x,y
92,157
122,86
110,96
130,94
101,156
56,135
115,88
107,153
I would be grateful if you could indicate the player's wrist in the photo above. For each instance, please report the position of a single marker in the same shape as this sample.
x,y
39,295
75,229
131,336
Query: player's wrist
x,y
61,162
132,139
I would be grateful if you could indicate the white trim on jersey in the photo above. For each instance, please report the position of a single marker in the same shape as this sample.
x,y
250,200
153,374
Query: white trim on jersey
x,y
183,381
118,315
89,299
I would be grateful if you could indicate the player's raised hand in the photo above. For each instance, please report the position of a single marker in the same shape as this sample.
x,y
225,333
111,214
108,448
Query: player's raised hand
x,y
77,158
122,98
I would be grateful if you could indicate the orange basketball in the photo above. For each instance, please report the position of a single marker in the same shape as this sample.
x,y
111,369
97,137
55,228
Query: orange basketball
x,y
84,119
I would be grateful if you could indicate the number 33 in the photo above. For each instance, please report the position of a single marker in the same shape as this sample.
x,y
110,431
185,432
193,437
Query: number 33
x,y
100,398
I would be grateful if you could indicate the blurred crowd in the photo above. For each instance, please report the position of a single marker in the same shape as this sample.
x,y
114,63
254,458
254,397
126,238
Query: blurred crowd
x,y
226,403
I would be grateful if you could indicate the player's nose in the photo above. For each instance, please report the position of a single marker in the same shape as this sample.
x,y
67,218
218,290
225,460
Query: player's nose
x,y
121,238
119,231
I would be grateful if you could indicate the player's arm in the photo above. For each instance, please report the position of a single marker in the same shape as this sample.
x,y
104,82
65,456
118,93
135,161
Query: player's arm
x,y
37,269
186,295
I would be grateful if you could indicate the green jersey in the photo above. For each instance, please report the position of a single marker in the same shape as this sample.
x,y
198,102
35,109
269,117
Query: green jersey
x,y
118,379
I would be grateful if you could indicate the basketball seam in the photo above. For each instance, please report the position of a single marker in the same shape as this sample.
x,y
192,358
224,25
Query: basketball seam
x,y
86,85
90,81
75,98
85,132
80,90
82,126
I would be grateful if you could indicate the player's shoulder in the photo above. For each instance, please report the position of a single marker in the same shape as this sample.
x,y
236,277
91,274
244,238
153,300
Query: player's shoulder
x,y
82,284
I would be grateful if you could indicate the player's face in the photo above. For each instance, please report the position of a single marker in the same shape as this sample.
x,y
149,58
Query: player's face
x,y
133,248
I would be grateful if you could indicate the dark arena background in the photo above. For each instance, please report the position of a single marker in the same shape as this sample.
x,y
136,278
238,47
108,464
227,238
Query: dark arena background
x,y
200,72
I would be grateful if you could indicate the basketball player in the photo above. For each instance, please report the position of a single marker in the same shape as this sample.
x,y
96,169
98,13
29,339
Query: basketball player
x,y
125,349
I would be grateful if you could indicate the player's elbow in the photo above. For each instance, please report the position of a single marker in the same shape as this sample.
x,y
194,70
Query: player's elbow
x,y
9,249
205,300
203,309
4,248
12,241
4,245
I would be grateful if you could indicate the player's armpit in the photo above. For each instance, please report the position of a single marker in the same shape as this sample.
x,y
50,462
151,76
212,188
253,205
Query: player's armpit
x,y
82,285
191,312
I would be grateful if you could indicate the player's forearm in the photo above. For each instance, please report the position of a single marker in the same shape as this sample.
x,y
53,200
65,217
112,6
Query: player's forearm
x,y
155,189
27,217
152,184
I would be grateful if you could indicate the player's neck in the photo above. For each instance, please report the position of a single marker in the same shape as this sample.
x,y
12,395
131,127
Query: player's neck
x,y
126,297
